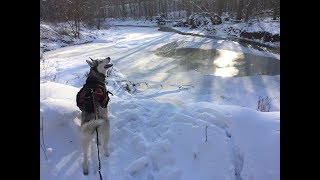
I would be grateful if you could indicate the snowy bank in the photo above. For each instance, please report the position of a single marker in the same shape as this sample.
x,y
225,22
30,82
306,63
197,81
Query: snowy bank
x,y
167,121
161,140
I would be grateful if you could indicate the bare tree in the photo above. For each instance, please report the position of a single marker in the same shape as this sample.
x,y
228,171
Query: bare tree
x,y
239,10
249,9
94,12
276,8
220,7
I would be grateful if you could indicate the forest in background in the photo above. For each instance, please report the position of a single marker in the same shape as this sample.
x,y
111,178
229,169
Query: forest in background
x,y
94,12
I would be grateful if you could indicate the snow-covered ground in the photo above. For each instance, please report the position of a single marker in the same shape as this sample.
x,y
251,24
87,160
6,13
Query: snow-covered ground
x,y
175,123
266,25
227,29
57,35
127,22
54,36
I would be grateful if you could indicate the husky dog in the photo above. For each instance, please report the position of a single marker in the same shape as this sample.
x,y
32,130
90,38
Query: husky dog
x,y
92,100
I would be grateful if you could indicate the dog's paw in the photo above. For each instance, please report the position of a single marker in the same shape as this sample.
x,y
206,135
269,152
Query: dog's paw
x,y
85,172
85,169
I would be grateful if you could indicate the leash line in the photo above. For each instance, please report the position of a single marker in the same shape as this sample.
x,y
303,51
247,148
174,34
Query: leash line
x,y
98,154
95,117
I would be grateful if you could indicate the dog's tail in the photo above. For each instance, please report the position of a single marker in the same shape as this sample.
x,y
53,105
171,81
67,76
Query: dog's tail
x,y
91,126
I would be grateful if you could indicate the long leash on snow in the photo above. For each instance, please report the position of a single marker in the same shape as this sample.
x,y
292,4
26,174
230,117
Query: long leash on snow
x,y
95,117
98,154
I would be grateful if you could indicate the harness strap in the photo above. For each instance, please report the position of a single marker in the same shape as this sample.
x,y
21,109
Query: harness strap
x,y
109,93
91,92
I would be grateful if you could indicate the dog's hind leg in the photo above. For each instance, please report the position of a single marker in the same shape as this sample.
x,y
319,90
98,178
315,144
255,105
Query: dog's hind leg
x,y
85,141
104,133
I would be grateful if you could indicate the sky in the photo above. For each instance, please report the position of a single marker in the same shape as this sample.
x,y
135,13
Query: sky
x,y
189,116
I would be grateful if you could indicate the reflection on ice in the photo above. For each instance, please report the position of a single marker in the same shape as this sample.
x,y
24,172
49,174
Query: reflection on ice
x,y
223,63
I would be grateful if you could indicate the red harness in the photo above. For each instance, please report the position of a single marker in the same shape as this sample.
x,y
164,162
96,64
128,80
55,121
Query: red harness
x,y
87,95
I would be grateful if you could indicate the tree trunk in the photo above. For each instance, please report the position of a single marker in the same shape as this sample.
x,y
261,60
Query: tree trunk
x,y
131,10
76,28
220,7
139,9
124,14
275,9
99,19
275,13
239,11
188,8
249,10
99,7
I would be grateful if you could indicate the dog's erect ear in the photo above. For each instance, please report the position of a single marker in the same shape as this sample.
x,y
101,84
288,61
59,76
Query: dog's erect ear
x,y
108,59
92,63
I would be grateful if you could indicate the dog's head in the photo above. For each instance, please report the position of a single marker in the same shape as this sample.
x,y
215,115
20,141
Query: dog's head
x,y
100,65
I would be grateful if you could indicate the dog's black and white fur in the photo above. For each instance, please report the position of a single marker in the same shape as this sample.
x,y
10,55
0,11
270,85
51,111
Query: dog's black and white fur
x,y
90,121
